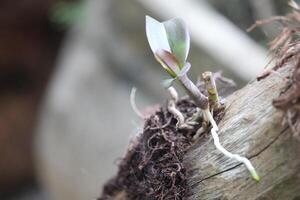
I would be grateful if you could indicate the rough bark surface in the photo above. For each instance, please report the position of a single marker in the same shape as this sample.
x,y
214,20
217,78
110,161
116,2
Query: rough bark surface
x,y
254,128
251,127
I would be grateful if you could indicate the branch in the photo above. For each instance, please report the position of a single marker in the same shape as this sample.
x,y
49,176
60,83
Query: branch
x,y
251,127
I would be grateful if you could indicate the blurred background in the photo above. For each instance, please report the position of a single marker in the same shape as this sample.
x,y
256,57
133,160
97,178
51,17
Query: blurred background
x,y
66,71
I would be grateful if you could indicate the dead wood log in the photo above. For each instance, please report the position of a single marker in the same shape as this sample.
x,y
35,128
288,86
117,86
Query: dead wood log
x,y
251,127
254,128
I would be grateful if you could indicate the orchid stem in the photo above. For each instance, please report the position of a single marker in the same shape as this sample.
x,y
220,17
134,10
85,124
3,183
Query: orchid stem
x,y
200,99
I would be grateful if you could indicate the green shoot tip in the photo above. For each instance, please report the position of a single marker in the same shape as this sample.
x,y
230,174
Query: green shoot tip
x,y
255,176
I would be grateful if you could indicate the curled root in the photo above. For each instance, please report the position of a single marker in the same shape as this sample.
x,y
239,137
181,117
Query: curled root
x,y
177,114
133,104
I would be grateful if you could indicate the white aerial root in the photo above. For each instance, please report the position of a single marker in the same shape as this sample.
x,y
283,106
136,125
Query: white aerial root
x,y
173,93
218,145
177,114
172,107
133,104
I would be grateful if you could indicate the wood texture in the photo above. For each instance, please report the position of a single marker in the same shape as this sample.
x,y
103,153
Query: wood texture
x,y
251,127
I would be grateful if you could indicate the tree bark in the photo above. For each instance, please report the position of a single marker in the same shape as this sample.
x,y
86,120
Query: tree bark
x,y
251,127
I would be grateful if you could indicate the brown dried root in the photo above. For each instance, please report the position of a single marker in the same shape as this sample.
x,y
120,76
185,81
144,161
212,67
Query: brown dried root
x,y
153,168
289,102
287,44
286,48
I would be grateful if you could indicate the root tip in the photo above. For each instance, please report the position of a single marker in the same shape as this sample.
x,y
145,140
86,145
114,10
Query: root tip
x,y
255,176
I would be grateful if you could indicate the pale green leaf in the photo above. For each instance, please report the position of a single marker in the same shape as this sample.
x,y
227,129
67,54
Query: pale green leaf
x,y
179,39
156,35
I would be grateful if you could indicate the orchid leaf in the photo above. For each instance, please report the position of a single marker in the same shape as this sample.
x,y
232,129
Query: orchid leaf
x,y
156,35
179,39
168,61
168,82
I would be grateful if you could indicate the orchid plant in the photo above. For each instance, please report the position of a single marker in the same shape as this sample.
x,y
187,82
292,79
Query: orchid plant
x,y
170,44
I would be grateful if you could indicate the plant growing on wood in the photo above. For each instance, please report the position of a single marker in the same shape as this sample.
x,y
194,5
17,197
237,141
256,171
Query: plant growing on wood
x,y
170,43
